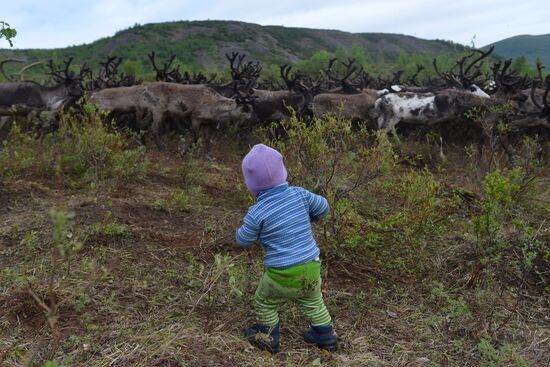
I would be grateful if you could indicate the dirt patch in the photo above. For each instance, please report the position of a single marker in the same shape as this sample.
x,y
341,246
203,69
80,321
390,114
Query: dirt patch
x,y
20,309
19,193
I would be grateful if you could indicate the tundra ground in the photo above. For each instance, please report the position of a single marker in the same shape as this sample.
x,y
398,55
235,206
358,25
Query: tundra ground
x,y
154,278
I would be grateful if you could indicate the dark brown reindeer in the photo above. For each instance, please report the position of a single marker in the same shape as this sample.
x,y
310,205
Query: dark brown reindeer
x,y
278,105
26,96
525,94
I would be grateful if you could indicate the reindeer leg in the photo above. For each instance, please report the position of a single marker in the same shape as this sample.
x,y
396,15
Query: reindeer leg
x,y
505,142
392,123
3,121
158,117
144,119
206,134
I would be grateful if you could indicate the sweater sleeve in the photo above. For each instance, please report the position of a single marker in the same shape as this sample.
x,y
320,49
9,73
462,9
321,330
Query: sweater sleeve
x,y
248,233
318,205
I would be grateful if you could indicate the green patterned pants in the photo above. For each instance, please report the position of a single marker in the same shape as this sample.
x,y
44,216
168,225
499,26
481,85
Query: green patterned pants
x,y
301,284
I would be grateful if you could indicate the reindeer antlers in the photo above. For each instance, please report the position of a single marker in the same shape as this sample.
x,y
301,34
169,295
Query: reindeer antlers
x,y
164,74
64,75
464,79
9,79
250,70
545,108
347,82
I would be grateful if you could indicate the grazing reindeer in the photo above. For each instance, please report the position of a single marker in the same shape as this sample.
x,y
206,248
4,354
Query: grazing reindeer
x,y
196,106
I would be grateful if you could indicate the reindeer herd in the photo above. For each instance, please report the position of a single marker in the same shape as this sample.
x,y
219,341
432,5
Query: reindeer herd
x,y
200,104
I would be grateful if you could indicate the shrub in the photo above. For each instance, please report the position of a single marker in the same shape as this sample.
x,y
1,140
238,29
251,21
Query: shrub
x,y
328,156
22,153
508,230
93,151
84,148
505,355
453,312
376,211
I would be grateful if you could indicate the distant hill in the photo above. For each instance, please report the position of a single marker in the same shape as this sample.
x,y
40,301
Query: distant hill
x,y
202,44
529,46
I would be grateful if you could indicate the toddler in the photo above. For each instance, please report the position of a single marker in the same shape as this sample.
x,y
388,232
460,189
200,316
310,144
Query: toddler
x,y
280,220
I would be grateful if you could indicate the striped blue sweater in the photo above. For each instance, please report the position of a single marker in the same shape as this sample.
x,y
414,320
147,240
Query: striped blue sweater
x,y
280,220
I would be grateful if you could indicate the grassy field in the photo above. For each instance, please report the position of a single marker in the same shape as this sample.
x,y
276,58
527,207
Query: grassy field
x,y
112,255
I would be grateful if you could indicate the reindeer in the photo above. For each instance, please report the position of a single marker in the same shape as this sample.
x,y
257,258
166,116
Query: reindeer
x,y
424,108
355,107
351,99
26,96
243,76
440,105
278,105
196,106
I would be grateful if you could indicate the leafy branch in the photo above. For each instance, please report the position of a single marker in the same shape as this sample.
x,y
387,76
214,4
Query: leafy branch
x,y
7,32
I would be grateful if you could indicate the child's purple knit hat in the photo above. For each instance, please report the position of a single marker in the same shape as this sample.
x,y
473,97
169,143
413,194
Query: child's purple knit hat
x,y
263,168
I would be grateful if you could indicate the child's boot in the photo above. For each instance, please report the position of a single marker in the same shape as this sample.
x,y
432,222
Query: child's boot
x,y
322,336
264,337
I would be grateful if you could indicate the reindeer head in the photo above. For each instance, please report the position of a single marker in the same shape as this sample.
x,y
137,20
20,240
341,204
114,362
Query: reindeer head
x,y
71,81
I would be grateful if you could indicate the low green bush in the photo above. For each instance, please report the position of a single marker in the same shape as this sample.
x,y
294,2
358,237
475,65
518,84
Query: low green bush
x,y
509,236
83,149
378,211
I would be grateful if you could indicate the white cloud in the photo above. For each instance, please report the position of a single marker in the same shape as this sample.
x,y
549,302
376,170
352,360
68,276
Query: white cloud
x,y
60,23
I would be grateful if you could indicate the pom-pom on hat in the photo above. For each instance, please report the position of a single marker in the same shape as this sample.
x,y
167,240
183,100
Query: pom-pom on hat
x,y
263,168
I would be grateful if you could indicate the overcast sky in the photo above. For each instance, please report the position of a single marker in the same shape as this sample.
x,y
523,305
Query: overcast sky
x,y
61,23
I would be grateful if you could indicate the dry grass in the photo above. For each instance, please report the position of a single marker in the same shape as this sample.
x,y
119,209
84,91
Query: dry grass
x,y
157,284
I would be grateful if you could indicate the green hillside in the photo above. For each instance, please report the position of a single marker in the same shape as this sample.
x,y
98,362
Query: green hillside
x,y
529,46
202,45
